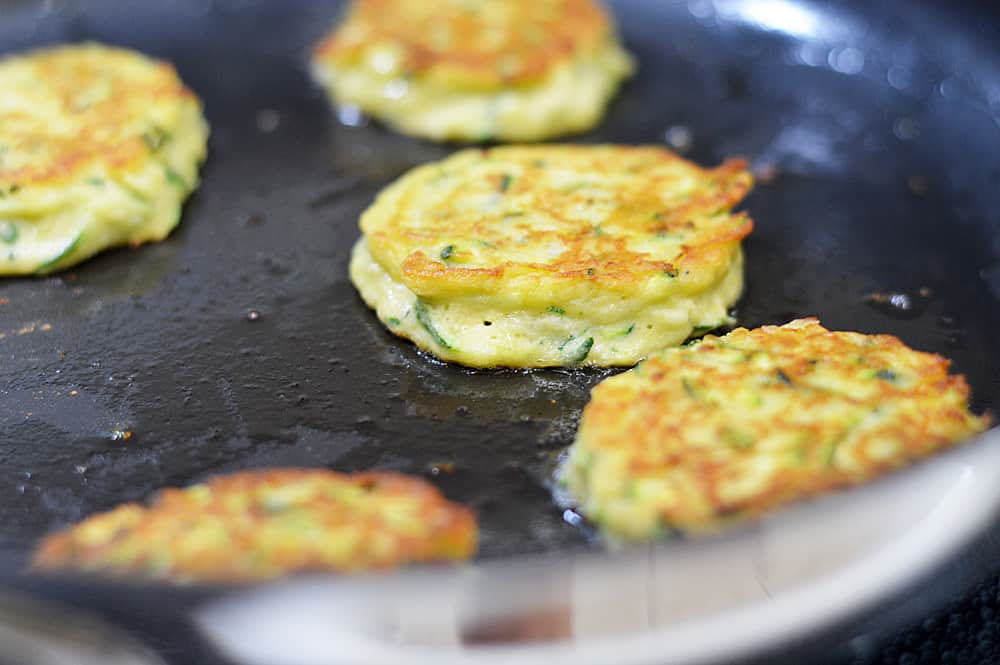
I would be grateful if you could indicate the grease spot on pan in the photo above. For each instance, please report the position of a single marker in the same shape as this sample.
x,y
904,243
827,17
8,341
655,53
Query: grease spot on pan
x,y
897,304
847,60
679,138
267,121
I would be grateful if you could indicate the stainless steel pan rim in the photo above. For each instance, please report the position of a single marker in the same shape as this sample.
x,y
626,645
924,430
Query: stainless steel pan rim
x,y
696,601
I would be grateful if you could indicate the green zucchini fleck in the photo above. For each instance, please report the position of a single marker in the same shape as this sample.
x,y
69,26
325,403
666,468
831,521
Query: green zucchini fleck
x,y
552,309
887,375
135,195
8,232
831,451
174,178
671,272
96,182
424,318
834,444
506,182
690,388
783,377
701,330
155,137
61,256
738,438
628,331
447,252
662,531
582,351
392,321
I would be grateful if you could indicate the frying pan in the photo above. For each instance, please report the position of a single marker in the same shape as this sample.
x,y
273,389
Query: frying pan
x,y
240,343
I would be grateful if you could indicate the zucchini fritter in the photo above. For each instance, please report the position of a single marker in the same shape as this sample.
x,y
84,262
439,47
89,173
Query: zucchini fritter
x,y
554,255
510,70
734,426
257,525
99,147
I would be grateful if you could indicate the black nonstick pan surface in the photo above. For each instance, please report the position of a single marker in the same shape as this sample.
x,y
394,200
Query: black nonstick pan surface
x,y
239,342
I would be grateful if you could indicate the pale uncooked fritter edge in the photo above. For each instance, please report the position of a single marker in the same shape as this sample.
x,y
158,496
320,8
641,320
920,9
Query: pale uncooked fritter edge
x,y
458,332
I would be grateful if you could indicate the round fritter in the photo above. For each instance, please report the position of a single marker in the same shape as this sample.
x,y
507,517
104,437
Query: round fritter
x,y
99,147
537,256
263,524
734,426
517,70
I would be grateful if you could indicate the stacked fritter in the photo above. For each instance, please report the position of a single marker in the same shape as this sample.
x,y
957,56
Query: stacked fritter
x,y
554,255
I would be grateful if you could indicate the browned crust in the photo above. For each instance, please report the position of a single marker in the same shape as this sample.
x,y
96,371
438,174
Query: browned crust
x,y
105,130
509,43
601,258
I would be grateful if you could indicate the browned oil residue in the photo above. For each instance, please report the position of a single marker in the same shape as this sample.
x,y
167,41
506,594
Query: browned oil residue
x,y
121,434
897,304
441,468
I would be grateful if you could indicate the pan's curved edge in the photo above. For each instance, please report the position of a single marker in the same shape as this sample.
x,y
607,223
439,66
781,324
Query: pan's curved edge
x,y
639,606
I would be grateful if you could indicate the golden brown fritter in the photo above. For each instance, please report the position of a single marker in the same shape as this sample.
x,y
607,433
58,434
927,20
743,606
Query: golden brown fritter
x,y
632,248
474,70
99,147
68,106
524,220
256,525
471,43
734,426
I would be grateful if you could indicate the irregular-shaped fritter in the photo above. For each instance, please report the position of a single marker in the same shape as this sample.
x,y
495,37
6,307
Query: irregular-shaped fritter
x,y
99,147
554,255
734,426
263,524
511,70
